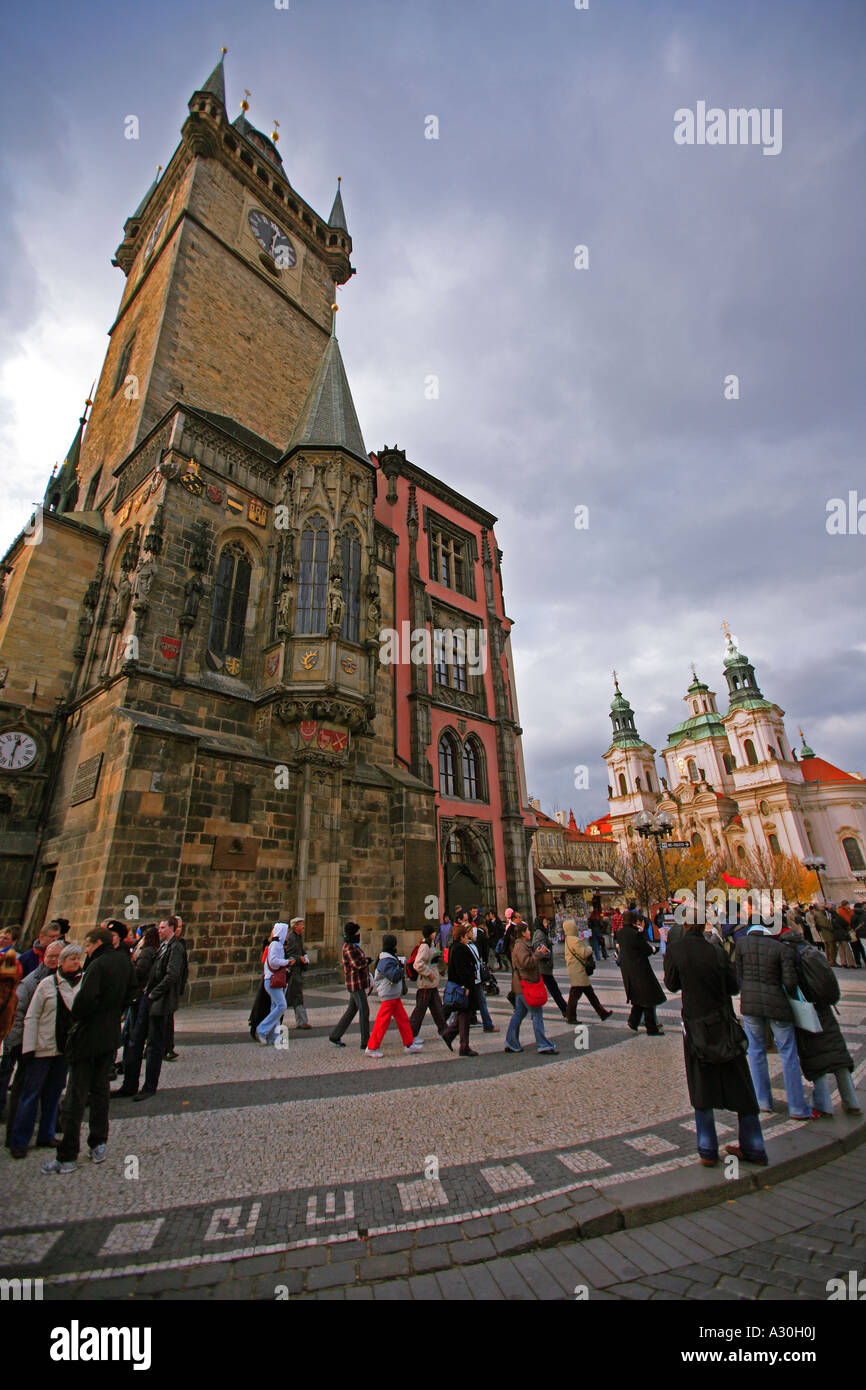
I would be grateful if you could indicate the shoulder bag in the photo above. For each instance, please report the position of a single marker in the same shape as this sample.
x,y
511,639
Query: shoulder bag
x,y
455,996
534,993
717,1037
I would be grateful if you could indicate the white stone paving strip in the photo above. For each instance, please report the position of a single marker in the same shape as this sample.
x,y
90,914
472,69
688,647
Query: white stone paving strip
x,y
227,1222
132,1237
584,1161
29,1248
651,1144
422,1194
506,1177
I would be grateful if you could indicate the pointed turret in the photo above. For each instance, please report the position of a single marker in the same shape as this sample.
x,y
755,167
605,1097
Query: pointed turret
x,y
625,735
61,494
805,750
139,211
328,419
216,83
743,689
337,217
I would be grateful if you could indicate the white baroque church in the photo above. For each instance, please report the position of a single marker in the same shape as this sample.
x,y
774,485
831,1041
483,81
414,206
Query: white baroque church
x,y
734,784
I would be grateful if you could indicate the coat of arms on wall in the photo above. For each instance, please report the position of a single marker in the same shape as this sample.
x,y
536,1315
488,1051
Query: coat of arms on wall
x,y
232,665
272,665
349,664
191,479
234,504
214,494
257,512
309,659
307,729
169,646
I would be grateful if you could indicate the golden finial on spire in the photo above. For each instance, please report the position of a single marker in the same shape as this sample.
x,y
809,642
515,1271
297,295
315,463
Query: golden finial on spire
x,y
275,132
245,105
223,50
726,630
615,678
693,671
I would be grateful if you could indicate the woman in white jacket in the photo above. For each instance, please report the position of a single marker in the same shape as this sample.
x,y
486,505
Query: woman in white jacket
x,y
275,963
46,1026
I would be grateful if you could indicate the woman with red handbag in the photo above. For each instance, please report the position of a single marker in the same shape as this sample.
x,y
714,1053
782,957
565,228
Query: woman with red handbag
x,y
529,991
275,976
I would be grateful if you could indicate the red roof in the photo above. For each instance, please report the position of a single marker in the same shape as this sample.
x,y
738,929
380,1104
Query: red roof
x,y
602,826
545,821
817,770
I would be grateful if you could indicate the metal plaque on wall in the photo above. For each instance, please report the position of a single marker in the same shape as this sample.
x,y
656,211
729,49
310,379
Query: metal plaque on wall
x,y
86,778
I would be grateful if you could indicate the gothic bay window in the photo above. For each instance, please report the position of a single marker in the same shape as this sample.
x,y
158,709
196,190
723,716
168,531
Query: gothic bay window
x,y
313,577
473,770
450,657
229,609
351,584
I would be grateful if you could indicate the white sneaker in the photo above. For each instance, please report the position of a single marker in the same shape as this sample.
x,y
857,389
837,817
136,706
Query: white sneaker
x,y
418,1042
368,1053
413,1047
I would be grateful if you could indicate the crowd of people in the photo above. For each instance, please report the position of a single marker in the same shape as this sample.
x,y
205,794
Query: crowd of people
x,y
65,1011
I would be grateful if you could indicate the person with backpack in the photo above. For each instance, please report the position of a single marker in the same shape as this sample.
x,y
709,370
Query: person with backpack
x,y
389,982
580,963
826,1052
356,969
420,968
767,971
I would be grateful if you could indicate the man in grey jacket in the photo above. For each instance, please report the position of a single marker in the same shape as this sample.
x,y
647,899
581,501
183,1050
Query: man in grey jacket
x,y
766,968
12,1045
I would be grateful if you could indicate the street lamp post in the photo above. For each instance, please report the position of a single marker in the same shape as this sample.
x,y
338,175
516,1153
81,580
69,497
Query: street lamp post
x,y
816,863
658,828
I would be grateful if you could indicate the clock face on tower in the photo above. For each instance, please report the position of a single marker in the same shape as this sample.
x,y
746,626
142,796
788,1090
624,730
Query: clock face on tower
x,y
17,750
272,239
154,236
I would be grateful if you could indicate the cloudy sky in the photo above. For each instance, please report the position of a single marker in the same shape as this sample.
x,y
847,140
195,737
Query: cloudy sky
x,y
559,387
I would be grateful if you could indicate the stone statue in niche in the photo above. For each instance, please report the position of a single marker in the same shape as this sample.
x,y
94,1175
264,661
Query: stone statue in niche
x,y
374,619
192,593
120,604
336,605
284,608
141,586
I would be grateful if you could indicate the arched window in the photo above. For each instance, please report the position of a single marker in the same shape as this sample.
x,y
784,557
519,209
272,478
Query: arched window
x,y
623,789
774,844
351,585
694,775
771,750
853,853
229,609
448,766
637,785
473,770
697,842
729,763
313,576
751,755
781,748
92,490
649,782
695,703
741,853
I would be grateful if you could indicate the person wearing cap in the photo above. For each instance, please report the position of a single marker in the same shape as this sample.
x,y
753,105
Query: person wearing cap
x,y
30,959
298,962
388,984
356,968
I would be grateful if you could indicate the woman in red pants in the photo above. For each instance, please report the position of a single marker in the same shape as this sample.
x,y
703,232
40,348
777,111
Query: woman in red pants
x,y
388,984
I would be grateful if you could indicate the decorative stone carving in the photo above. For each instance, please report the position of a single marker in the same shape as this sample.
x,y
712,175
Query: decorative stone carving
x,y
120,603
336,607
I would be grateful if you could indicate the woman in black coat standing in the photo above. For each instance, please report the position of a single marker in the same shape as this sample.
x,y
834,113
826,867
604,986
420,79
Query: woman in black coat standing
x,y
461,972
642,989
714,1045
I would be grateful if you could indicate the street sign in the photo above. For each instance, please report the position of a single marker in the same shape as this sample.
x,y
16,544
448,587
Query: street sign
x,y
676,844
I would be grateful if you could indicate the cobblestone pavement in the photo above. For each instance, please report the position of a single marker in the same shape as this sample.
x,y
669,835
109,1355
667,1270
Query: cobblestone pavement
x,y
327,1174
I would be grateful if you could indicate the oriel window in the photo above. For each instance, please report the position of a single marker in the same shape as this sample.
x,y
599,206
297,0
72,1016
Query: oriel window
x,y
230,598
123,365
313,577
449,562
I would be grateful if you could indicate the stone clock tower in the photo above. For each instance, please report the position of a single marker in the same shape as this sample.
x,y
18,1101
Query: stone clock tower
x,y
207,729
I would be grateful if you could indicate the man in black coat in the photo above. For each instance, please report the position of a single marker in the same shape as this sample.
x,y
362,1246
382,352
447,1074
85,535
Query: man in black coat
x,y
156,1006
714,1045
642,989
106,992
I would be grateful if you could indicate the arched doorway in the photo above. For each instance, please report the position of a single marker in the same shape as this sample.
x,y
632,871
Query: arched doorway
x,y
467,869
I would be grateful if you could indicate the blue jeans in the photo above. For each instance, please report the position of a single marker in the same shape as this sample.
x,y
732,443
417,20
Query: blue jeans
x,y
44,1079
512,1037
268,1026
786,1042
751,1137
821,1093
481,1002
